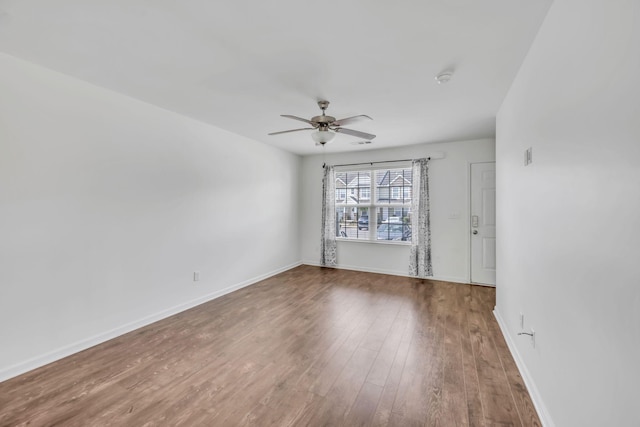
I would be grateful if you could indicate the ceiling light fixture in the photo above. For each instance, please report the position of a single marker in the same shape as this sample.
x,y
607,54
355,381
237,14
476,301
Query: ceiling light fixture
x,y
322,136
444,77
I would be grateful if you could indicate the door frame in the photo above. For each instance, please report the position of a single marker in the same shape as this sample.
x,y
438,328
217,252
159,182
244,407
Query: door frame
x,y
469,254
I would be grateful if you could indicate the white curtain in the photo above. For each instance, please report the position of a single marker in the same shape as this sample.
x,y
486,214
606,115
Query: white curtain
x,y
420,259
328,244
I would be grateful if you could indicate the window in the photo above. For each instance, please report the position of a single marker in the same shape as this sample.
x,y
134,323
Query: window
x,y
395,193
365,193
374,205
406,193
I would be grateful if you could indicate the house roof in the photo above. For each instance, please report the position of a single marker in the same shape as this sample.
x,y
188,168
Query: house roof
x,y
360,181
389,177
395,178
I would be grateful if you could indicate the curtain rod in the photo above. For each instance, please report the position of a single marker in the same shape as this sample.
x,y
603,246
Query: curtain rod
x,y
372,163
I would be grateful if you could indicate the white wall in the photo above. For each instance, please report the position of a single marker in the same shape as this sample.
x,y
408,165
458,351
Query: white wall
x,y
108,205
568,224
449,190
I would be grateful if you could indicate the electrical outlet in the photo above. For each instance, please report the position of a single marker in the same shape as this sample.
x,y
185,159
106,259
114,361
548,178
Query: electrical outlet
x,y
196,276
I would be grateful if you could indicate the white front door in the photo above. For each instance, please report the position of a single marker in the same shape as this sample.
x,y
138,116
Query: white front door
x,y
483,223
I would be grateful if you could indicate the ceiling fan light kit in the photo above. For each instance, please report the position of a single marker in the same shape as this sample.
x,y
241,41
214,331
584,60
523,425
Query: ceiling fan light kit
x,y
322,136
325,127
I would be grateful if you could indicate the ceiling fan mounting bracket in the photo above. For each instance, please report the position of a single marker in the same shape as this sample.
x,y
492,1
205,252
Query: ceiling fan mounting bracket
x,y
323,120
323,105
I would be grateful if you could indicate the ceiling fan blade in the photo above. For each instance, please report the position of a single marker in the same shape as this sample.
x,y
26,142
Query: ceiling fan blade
x,y
289,116
292,130
350,120
357,133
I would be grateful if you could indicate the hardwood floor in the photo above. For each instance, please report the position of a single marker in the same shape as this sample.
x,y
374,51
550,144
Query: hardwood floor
x,y
310,346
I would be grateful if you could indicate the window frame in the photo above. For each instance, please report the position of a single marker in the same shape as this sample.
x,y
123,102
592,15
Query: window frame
x,y
374,206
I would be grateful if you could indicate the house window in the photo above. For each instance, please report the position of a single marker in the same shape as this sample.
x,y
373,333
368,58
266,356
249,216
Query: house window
x,y
375,205
395,193
365,193
406,193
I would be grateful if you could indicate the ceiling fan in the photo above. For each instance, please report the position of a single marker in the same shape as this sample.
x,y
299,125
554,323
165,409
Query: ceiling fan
x,y
325,127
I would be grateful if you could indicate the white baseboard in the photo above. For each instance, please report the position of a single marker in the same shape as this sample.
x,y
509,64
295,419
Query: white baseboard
x,y
545,418
390,272
57,354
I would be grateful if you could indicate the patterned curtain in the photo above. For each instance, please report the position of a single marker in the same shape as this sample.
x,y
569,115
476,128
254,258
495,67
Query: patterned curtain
x,y
328,244
420,259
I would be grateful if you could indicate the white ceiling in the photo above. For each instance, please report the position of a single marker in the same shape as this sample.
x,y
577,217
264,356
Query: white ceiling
x,y
240,64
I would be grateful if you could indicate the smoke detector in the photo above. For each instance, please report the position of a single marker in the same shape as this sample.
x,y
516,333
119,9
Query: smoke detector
x,y
444,77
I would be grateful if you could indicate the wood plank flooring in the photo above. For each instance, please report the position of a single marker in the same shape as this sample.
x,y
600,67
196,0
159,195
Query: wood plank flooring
x,y
308,347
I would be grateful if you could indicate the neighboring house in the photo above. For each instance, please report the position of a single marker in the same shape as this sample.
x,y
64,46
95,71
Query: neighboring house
x,y
359,188
392,186
341,190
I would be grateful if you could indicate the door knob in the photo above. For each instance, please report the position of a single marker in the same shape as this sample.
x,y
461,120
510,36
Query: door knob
x,y
475,231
